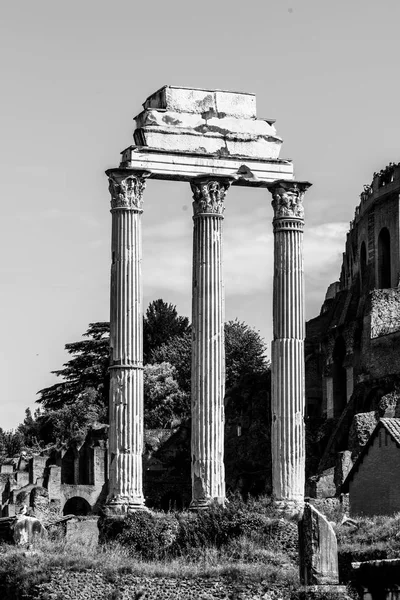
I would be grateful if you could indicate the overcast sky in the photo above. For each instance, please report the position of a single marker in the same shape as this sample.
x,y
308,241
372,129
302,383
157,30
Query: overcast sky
x,y
73,76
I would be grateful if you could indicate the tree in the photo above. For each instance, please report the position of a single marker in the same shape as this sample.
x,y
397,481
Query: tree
x,y
72,421
30,428
164,402
161,323
87,369
178,352
11,442
245,352
81,398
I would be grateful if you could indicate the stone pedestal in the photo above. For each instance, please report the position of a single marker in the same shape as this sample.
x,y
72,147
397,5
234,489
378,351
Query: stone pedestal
x,y
287,349
208,352
126,340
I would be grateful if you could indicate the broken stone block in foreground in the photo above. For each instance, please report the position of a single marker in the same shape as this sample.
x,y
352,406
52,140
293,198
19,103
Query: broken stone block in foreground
x,y
317,549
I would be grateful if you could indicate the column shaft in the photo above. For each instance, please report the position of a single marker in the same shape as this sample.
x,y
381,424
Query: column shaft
x,y
288,395
126,346
208,348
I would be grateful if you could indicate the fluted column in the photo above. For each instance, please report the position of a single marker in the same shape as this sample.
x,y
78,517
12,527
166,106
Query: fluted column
x,y
125,491
288,435
208,350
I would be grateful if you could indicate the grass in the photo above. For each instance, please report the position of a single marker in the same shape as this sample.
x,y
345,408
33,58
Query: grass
x,y
242,560
241,543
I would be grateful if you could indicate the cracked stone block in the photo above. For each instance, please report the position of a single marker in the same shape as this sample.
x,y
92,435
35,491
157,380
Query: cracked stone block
x,y
317,549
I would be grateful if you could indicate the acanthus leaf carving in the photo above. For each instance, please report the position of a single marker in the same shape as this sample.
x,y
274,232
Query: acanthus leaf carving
x,y
209,195
287,199
127,190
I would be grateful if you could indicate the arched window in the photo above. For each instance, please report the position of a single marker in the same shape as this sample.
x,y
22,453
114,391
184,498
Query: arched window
x,y
363,265
384,266
339,377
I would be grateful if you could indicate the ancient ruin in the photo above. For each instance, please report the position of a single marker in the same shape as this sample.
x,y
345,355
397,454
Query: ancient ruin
x,y
69,479
352,361
211,139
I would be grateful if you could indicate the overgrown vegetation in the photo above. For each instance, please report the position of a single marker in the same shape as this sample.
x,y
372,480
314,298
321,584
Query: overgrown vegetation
x,y
244,542
374,538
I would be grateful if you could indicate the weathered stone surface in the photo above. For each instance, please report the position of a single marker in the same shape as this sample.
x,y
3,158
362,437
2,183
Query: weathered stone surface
x,y
360,431
39,501
385,312
287,348
343,467
317,549
126,340
208,350
186,166
205,121
26,529
195,100
84,531
389,405
322,486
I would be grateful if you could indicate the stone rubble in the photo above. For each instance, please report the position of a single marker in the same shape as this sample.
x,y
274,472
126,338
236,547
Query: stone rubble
x,y
71,585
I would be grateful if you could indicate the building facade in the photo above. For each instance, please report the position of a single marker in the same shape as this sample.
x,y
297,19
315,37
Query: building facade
x,y
352,346
372,484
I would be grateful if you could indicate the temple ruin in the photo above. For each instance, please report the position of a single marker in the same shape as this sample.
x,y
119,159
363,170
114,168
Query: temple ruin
x,y
210,139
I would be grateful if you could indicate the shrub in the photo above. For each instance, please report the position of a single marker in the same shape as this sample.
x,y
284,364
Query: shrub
x,y
146,535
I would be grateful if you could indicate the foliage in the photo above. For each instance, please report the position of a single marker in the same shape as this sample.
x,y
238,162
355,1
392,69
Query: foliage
x,y
380,532
244,352
29,429
145,535
70,406
87,369
73,421
246,547
11,443
178,352
161,323
164,402
179,534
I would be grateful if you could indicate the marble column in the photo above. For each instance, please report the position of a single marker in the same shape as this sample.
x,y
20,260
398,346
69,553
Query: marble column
x,y
208,349
125,451
288,397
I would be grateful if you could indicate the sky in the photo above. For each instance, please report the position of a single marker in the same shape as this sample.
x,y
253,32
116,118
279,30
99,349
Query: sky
x,y
73,76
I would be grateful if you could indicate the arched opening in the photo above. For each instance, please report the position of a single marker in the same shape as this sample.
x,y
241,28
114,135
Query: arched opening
x,y
77,506
384,266
339,377
363,265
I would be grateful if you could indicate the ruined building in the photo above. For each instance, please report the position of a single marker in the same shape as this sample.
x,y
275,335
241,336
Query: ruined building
x,y
351,350
65,480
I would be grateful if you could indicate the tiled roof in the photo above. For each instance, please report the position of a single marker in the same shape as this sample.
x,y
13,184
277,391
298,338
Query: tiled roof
x,y
393,427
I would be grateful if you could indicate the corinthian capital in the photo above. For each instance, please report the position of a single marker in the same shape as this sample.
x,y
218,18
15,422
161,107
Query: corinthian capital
x,y
126,189
209,195
287,198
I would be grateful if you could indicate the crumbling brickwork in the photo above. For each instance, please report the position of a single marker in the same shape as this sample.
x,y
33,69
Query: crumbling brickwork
x,y
352,348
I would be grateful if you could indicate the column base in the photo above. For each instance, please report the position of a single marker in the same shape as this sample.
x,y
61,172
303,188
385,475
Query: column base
x,y
205,503
290,509
122,507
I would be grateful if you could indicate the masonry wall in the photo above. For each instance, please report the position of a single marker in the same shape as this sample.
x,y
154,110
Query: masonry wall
x,y
375,487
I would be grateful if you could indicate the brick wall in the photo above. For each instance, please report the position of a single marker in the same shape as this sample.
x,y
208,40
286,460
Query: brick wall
x,y
375,488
